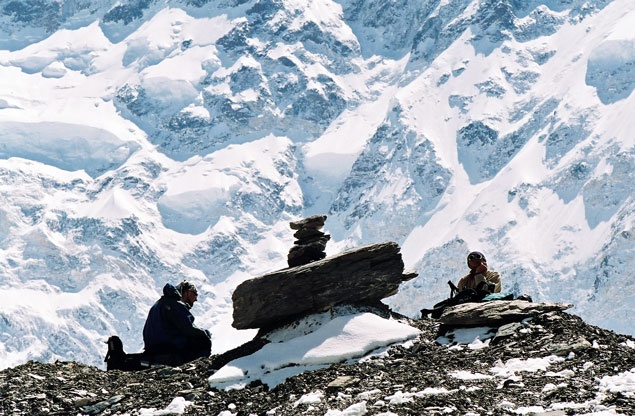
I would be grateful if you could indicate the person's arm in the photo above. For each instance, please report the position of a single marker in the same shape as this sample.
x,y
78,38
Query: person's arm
x,y
482,274
495,277
182,319
462,283
478,279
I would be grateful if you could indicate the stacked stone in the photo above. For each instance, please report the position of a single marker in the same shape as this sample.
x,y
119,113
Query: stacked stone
x,y
310,241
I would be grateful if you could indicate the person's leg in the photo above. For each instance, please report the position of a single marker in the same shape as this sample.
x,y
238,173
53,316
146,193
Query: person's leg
x,y
166,355
197,348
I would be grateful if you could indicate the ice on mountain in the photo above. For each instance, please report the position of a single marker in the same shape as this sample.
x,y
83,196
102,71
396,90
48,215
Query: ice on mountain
x,y
611,65
70,147
564,136
476,142
491,88
541,21
219,256
483,151
378,28
82,49
568,185
255,99
605,193
439,29
520,80
230,181
460,102
54,70
422,178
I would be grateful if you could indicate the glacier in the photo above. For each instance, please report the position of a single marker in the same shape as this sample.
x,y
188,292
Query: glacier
x,y
143,142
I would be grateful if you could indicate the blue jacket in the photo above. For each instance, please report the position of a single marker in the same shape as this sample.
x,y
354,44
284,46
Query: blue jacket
x,y
170,325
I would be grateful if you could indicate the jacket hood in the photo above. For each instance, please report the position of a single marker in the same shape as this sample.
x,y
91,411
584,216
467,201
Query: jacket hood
x,y
169,291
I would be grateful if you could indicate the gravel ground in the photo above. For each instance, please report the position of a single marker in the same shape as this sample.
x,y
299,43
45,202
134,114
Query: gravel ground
x,y
426,378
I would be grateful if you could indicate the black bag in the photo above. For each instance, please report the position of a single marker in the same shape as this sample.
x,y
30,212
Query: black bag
x,y
117,359
456,298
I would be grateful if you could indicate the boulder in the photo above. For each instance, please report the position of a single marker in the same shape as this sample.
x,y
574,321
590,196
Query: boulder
x,y
496,313
361,275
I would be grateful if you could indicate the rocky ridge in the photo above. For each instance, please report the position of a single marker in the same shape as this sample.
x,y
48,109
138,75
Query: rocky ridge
x,y
426,377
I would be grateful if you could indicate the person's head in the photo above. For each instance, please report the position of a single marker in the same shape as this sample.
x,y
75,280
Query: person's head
x,y
474,259
189,293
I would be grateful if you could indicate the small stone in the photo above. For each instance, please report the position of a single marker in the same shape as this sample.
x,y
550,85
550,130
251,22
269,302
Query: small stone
x,y
101,406
341,382
81,401
564,349
168,371
506,331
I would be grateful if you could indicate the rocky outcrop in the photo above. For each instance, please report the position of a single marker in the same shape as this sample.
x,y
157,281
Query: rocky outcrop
x,y
362,275
427,378
496,313
310,243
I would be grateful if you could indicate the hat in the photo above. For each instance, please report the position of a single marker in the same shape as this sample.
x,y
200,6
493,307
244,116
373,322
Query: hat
x,y
185,286
476,254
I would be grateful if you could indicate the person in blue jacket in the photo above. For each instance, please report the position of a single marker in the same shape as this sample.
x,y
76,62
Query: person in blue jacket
x,y
169,333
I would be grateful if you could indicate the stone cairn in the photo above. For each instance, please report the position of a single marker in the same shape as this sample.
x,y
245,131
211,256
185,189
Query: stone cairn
x,y
310,241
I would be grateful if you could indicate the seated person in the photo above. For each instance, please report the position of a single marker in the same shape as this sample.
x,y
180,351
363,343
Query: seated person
x,y
480,277
169,333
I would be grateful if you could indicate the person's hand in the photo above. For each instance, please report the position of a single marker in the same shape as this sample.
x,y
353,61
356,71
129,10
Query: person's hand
x,y
481,268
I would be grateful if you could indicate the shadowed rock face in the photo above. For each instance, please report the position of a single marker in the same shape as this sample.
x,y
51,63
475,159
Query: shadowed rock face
x,y
363,275
589,354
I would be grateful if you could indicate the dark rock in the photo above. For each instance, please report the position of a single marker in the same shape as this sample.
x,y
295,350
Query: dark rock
x,y
563,349
365,274
305,254
497,312
311,242
341,383
314,222
505,331
321,239
304,234
243,350
101,406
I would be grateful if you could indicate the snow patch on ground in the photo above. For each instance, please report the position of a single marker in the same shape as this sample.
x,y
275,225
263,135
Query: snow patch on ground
x,y
339,339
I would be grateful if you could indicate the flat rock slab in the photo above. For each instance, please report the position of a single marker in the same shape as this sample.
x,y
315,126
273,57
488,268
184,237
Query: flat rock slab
x,y
361,275
496,312
315,222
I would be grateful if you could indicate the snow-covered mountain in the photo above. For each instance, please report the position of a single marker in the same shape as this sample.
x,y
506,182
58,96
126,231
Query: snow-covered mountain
x,y
149,141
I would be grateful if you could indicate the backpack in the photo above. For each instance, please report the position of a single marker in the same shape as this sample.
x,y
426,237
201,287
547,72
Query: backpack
x,y
499,296
464,296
